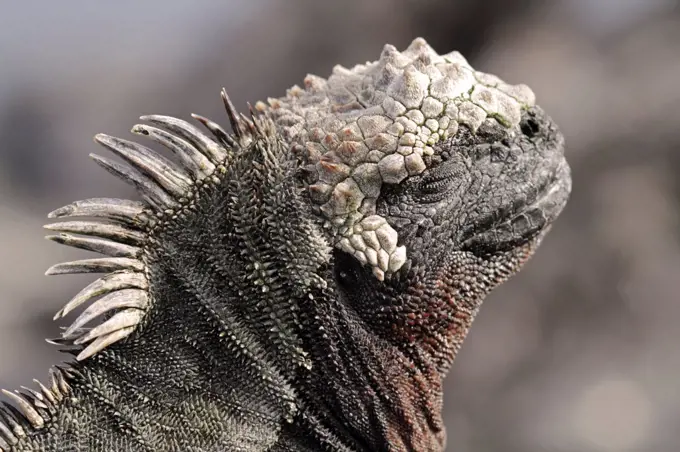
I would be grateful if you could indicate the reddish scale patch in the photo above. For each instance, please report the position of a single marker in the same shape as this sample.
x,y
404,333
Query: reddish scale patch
x,y
418,395
428,323
437,313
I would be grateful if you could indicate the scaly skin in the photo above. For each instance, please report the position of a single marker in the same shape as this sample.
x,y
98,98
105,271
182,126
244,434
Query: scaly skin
x,y
305,283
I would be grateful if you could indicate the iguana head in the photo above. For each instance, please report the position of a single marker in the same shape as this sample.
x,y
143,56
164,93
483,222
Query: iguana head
x,y
437,178
419,154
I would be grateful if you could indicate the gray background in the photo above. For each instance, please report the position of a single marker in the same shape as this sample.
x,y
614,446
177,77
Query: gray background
x,y
580,352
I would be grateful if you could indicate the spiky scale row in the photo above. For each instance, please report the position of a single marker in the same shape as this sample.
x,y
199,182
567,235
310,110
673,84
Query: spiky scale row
x,y
126,318
237,125
164,184
189,157
217,131
164,172
131,213
103,265
207,146
125,298
151,192
102,246
112,282
120,233
31,409
104,341
105,230
26,408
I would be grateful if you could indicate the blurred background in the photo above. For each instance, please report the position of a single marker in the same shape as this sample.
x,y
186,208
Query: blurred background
x,y
579,352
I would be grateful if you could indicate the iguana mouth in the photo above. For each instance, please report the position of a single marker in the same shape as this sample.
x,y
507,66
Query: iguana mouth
x,y
524,221
553,198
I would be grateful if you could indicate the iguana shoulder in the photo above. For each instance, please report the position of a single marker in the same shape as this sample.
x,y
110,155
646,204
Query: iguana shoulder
x,y
305,281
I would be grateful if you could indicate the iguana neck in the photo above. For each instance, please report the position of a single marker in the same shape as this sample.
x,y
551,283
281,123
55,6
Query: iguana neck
x,y
370,389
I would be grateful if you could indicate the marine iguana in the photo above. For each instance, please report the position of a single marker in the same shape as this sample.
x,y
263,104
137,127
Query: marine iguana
x,y
304,282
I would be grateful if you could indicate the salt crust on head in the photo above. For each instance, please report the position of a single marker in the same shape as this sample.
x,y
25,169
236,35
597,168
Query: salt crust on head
x,y
373,124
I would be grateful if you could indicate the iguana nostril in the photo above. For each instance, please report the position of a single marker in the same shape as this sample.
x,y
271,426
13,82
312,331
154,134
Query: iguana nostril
x,y
530,127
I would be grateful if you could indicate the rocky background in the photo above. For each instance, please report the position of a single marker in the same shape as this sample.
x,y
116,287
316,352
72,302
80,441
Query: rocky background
x,y
580,352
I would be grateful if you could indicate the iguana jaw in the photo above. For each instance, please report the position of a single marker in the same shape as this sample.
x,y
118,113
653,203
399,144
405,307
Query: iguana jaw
x,y
527,219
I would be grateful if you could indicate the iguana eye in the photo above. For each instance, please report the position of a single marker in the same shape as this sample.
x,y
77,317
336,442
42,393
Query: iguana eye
x,y
345,270
439,181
